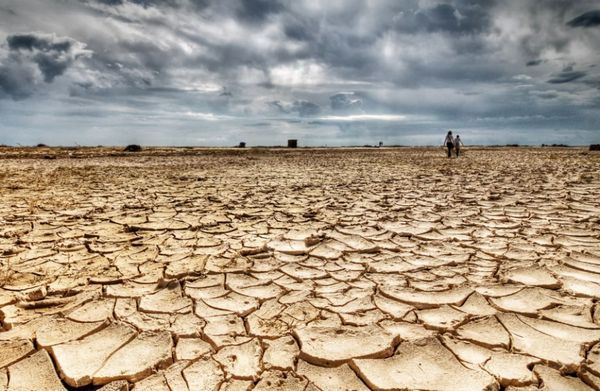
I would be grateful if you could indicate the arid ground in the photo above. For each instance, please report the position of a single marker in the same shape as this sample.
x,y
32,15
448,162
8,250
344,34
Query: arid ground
x,y
309,269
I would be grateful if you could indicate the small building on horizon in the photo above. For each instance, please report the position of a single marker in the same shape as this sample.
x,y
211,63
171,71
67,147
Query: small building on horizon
x,y
292,143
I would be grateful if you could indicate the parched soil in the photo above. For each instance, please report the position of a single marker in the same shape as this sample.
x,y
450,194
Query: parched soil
x,y
312,269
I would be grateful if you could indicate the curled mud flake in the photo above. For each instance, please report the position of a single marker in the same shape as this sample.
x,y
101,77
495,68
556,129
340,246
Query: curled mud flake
x,y
241,361
191,348
186,325
533,277
554,380
471,355
340,378
168,300
526,339
261,292
190,266
477,305
511,369
365,318
407,331
129,289
528,301
566,271
137,359
486,332
235,303
35,372
326,346
291,247
204,374
422,299
563,331
224,325
94,311
33,294
59,330
580,288
206,292
13,350
280,353
573,315
442,318
325,251
78,361
174,376
422,365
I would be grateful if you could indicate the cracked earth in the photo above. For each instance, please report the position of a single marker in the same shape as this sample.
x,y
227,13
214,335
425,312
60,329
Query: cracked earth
x,y
387,269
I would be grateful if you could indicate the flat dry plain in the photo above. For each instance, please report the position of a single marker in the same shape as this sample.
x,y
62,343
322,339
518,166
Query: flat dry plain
x,y
330,269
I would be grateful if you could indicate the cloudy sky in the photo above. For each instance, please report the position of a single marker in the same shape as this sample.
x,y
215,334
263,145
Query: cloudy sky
x,y
335,72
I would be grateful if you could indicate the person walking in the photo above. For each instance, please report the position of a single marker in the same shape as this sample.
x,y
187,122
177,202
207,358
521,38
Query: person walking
x,y
449,141
457,143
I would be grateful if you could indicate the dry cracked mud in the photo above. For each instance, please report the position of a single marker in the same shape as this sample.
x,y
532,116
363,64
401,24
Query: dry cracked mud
x,y
317,269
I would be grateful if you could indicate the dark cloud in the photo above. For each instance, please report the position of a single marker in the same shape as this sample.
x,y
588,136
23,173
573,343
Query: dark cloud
x,y
300,30
546,94
533,63
51,55
568,74
463,16
8,11
588,19
16,81
257,10
33,42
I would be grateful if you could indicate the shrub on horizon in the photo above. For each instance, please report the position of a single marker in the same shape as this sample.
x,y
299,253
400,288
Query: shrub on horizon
x,y
132,148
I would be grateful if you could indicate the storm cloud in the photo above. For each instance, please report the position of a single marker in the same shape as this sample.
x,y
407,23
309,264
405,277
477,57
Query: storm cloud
x,y
341,72
28,57
566,75
588,19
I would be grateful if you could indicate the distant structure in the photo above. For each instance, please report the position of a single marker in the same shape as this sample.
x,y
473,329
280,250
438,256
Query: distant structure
x,y
292,143
595,147
380,144
242,145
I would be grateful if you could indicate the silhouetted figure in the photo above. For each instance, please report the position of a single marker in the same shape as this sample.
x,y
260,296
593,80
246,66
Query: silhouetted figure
x,y
457,143
449,141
